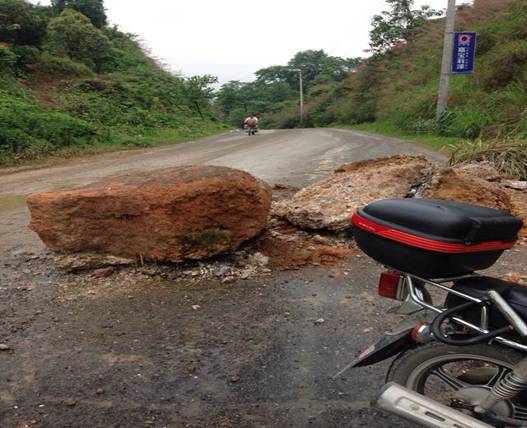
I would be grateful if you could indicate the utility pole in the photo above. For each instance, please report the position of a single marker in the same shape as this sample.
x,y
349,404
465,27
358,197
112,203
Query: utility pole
x,y
446,66
301,94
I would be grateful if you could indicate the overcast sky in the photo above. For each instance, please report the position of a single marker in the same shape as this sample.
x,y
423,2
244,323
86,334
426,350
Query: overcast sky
x,y
232,39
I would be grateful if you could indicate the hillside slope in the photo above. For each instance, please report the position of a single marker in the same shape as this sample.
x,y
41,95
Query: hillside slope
x,y
69,86
400,87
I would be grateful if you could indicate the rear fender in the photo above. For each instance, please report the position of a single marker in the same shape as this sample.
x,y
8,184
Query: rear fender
x,y
393,342
386,347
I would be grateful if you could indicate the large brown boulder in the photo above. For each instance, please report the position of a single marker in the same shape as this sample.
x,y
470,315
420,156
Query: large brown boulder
x,y
172,214
330,203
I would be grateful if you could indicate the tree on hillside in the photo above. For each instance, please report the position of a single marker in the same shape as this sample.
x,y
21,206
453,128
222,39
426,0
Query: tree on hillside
x,y
316,65
230,96
93,9
397,24
274,73
21,23
199,92
74,34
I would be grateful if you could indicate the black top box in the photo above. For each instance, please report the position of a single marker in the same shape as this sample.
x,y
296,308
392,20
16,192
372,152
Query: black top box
x,y
434,238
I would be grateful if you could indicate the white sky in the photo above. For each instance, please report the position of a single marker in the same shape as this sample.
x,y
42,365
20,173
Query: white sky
x,y
232,39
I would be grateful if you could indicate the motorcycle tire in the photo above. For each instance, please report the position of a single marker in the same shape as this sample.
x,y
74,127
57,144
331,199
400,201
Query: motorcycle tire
x,y
413,368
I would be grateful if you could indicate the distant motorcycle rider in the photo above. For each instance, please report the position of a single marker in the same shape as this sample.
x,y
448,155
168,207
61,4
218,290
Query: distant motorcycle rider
x,y
251,122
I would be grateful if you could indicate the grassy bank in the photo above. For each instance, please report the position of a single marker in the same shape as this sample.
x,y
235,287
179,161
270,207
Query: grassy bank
x,y
122,142
430,141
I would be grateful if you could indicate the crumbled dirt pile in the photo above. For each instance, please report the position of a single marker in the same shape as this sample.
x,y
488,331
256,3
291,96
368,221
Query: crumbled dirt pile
x,y
519,207
330,203
479,183
173,214
462,187
515,277
291,248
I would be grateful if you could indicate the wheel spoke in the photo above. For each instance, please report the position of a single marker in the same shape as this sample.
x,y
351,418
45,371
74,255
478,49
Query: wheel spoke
x,y
500,374
451,381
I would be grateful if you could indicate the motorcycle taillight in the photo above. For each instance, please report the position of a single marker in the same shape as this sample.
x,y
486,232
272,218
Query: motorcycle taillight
x,y
389,283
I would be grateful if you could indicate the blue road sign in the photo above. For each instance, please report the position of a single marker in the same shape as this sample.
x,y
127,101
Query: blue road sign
x,y
464,53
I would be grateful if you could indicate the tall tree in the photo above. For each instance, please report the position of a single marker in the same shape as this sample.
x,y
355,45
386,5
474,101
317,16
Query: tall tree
x,y
21,23
73,33
93,9
199,91
397,24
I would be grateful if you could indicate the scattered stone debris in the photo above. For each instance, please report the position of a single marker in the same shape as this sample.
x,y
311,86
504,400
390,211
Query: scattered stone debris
x,y
484,170
104,272
89,261
234,379
330,203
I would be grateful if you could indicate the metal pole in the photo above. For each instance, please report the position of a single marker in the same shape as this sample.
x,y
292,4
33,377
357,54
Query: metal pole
x,y
301,98
446,66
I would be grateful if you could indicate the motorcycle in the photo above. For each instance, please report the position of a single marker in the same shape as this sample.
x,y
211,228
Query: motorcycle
x,y
462,362
251,130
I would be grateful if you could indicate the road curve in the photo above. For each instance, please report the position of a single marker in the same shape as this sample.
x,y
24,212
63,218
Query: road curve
x,y
294,157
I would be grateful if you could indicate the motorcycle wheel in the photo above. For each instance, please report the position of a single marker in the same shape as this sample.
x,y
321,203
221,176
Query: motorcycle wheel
x,y
444,372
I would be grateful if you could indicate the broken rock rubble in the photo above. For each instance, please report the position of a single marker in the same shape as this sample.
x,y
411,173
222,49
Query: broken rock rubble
x,y
283,244
330,203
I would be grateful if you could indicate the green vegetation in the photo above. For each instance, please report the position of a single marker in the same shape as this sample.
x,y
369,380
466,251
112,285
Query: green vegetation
x,y
429,140
394,91
209,240
70,84
509,156
400,87
397,25
275,89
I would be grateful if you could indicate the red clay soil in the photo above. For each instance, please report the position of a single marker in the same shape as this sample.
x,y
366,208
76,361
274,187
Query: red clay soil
x,y
289,248
458,186
519,207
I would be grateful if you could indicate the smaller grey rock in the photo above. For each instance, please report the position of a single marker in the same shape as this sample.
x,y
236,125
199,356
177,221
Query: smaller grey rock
x,y
221,271
515,184
87,261
4,347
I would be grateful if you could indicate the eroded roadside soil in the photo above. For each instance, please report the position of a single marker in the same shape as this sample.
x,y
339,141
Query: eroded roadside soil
x,y
147,351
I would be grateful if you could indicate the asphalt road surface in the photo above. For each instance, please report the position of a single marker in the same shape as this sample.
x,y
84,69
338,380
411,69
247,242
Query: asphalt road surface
x,y
293,157
140,355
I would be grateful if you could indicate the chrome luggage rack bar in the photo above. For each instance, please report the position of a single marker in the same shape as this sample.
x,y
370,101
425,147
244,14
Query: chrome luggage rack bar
x,y
414,296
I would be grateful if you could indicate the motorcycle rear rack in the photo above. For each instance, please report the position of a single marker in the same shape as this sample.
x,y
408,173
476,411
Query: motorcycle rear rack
x,y
414,296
